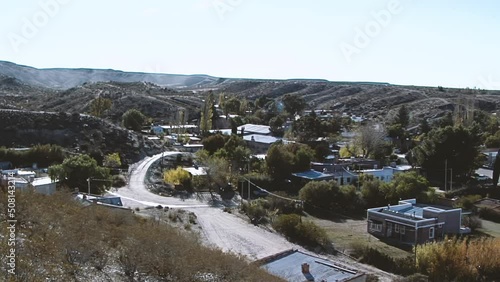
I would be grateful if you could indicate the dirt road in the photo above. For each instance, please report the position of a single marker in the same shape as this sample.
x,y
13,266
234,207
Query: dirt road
x,y
224,230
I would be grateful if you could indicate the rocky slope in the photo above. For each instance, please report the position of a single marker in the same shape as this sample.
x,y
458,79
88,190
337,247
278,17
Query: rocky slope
x,y
78,133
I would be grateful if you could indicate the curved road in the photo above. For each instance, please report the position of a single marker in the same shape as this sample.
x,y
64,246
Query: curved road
x,y
224,230
228,232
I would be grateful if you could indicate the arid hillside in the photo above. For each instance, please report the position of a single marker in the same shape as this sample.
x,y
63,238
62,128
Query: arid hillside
x,y
78,133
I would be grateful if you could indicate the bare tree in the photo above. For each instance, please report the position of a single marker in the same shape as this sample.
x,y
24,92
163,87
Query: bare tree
x,y
369,139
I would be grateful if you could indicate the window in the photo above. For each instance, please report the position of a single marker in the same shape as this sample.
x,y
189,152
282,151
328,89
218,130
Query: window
x,y
402,229
431,233
375,227
396,228
348,180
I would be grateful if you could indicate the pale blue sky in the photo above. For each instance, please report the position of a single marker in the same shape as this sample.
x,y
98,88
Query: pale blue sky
x,y
424,42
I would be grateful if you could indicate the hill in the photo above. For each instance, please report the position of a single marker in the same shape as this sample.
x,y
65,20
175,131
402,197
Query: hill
x,y
63,78
79,133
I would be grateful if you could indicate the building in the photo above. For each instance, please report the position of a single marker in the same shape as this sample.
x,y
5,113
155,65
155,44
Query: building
x,y
412,223
294,265
43,185
259,144
258,129
342,176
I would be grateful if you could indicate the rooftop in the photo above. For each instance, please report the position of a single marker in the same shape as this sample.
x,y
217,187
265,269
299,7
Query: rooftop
x,y
261,138
255,128
288,265
42,181
195,171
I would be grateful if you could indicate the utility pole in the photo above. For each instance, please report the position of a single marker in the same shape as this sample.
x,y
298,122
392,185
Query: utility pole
x,y
451,179
445,175
88,186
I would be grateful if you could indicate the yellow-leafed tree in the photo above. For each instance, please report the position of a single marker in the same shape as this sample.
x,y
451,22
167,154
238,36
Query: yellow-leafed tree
x,y
178,177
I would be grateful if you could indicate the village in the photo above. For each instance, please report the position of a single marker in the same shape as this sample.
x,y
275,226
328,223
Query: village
x,y
330,187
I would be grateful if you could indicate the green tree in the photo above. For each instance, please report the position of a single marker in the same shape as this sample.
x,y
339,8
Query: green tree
x,y
231,105
276,126
75,171
133,119
457,148
100,105
408,185
402,117
283,159
213,143
112,160
424,126
293,104
279,161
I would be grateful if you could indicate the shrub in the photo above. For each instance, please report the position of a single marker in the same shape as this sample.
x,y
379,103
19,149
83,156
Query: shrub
x,y
473,222
118,181
305,232
467,202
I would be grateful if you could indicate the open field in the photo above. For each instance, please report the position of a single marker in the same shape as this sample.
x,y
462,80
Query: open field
x,y
349,231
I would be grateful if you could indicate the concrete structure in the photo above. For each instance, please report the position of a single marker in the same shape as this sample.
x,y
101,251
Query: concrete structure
x,y
294,265
412,223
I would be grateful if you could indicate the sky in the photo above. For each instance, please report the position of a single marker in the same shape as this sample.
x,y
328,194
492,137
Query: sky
x,y
450,43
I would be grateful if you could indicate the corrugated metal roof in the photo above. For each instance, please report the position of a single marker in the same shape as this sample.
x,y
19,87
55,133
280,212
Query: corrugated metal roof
x,y
255,128
261,138
289,267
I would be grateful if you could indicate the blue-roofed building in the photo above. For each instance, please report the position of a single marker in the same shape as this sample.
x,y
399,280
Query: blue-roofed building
x,y
294,265
342,176
412,223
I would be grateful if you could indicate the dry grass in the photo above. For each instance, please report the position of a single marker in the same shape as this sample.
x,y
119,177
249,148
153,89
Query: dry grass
x,y
346,234
64,241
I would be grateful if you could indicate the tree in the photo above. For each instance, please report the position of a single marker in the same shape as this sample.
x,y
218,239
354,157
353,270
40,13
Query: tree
x,y
217,169
213,143
178,177
99,105
75,171
496,170
457,148
231,105
408,185
402,117
276,126
424,126
283,159
112,160
208,114
370,140
293,104
133,119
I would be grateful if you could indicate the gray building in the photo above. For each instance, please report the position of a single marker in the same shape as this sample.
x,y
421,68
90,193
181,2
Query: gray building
x,y
412,223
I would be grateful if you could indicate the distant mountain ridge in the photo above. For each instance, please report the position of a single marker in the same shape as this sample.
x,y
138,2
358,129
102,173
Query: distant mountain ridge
x,y
64,78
